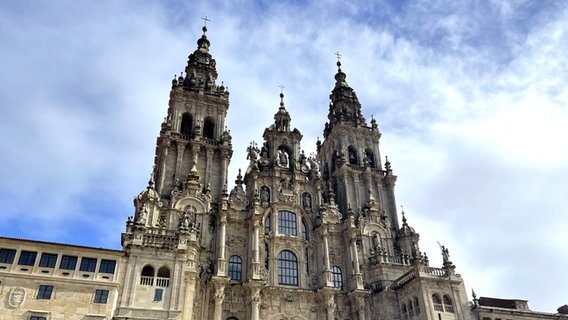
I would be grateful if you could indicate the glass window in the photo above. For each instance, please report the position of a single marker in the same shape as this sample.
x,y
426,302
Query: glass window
x,y
88,264
235,268
48,260
158,293
27,258
267,225
101,296
38,318
304,231
287,268
68,263
44,292
107,266
336,277
266,256
287,223
7,255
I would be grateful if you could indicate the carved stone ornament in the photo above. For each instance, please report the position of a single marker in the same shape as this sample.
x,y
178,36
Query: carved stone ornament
x,y
17,297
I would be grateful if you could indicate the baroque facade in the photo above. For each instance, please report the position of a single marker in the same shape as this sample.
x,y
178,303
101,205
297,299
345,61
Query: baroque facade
x,y
297,237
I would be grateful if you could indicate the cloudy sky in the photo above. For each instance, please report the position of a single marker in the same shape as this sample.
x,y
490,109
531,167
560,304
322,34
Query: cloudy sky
x,y
471,97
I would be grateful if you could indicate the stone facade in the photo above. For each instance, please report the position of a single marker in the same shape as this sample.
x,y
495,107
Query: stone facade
x,y
297,237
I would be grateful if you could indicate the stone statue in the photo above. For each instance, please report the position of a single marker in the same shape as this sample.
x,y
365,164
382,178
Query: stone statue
x,y
142,215
307,200
282,158
264,194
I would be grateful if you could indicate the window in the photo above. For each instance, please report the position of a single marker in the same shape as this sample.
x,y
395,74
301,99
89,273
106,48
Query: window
x,y
88,264
101,296
306,258
47,260
352,155
208,128
304,230
336,277
267,225
370,158
266,256
232,318
7,255
163,277
404,312
186,124
235,268
68,263
158,293
147,276
448,305
287,268
107,266
416,306
27,258
44,292
437,303
287,223
38,318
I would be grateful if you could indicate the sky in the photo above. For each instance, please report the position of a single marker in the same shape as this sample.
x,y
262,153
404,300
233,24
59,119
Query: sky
x,y
471,97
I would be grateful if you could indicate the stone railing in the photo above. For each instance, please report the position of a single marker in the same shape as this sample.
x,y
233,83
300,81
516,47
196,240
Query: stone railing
x,y
147,280
160,238
162,282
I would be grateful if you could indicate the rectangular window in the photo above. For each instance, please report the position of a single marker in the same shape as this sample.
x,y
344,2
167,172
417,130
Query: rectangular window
x,y
107,266
68,263
7,255
38,318
47,260
27,258
158,293
44,292
101,296
88,264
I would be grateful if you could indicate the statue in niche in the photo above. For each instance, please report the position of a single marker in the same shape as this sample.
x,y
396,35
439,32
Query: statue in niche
x,y
376,242
263,156
282,158
162,221
415,250
264,194
142,215
307,200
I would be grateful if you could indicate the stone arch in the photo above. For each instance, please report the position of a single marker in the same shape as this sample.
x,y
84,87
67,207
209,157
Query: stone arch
x,y
353,158
186,126
370,158
209,128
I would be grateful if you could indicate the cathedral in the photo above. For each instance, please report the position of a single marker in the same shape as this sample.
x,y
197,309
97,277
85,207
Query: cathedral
x,y
298,237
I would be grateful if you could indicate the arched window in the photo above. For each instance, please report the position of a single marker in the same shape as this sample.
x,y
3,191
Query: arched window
x,y
163,277
404,311
147,276
336,277
267,225
410,309
448,305
416,306
304,230
306,257
209,128
232,318
370,158
287,223
437,302
235,268
287,268
352,155
186,127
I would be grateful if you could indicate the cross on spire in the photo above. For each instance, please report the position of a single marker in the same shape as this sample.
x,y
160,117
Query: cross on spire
x,y
338,55
205,19
281,88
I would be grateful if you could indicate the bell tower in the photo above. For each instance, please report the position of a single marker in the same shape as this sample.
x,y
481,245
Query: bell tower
x,y
194,143
350,156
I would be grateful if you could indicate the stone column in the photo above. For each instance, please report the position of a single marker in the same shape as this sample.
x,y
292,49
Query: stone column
x,y
330,308
189,296
255,250
326,249
221,258
355,255
255,303
219,297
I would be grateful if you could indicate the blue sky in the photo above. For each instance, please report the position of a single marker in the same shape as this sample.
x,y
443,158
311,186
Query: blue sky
x,y
471,97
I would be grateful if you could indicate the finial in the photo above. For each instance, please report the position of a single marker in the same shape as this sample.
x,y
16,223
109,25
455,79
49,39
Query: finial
x,y
403,216
239,176
473,294
205,19
338,55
